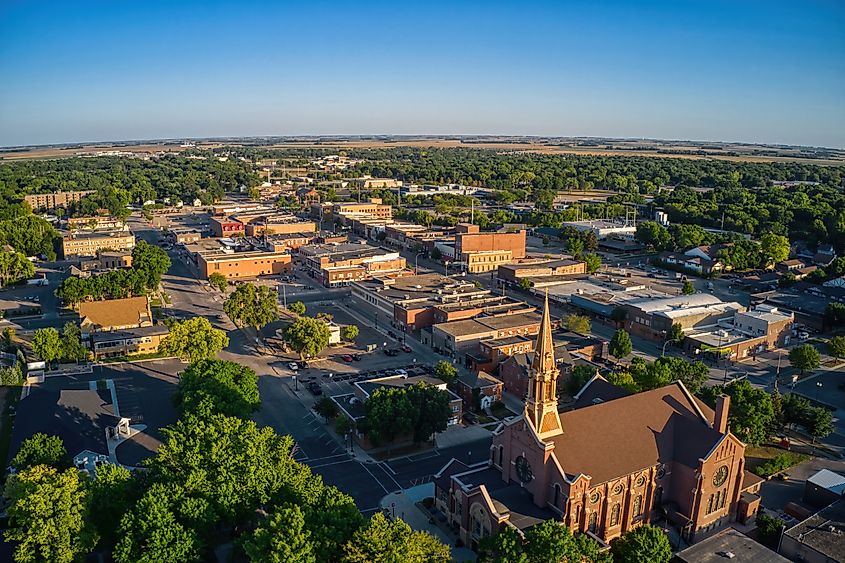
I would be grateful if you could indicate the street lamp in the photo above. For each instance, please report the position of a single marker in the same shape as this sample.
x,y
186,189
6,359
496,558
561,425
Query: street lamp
x,y
295,383
663,353
818,389
416,257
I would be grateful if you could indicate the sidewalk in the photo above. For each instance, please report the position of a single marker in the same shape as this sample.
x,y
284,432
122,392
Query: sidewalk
x,y
403,505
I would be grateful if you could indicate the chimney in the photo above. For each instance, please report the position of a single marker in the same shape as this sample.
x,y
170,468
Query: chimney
x,y
720,422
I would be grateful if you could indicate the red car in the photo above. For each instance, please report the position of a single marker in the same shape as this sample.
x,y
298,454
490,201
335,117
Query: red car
x,y
346,358
406,349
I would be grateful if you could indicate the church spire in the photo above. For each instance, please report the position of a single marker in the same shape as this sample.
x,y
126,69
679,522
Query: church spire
x,y
541,405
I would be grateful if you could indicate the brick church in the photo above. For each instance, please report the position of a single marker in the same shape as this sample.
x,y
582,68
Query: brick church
x,y
615,462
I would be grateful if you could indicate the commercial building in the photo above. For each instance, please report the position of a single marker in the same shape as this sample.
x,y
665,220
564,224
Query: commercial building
x,y
239,258
184,235
54,200
414,237
818,539
749,333
484,252
602,469
540,270
729,544
333,211
412,303
368,182
227,208
461,338
89,244
259,223
114,314
341,264
603,229
128,342
653,318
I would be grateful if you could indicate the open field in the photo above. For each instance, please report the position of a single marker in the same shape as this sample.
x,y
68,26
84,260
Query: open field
x,y
736,152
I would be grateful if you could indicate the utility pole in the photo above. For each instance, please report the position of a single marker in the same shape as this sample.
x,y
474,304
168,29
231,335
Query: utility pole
x,y
284,296
472,210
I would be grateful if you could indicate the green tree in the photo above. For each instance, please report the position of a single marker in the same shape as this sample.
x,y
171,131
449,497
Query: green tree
x,y
445,371
193,339
804,357
47,515
819,423
431,410
525,284
552,541
774,248
72,348
151,262
692,374
111,496
618,316
769,529
154,531
620,344
41,449
251,305
14,267
834,313
342,425
282,538
308,337
507,546
218,281
349,333
643,543
836,346
676,334
297,307
393,540
653,234
593,262
581,374
326,408
751,412
623,379
389,414
47,344
219,386
578,323
688,288
575,246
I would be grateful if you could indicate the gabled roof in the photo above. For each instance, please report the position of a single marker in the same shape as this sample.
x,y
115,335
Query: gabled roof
x,y
115,312
620,436
480,380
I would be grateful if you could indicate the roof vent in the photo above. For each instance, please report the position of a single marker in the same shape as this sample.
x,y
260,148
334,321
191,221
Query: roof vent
x,y
728,555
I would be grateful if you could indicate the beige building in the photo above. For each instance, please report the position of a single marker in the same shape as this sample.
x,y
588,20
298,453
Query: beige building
x,y
89,244
128,342
111,260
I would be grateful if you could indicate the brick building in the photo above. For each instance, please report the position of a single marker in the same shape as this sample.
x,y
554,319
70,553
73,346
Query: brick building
x,y
532,268
90,243
461,338
653,318
341,264
484,252
249,264
604,468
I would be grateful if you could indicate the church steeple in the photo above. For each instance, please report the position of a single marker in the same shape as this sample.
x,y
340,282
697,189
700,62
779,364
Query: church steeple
x,y
541,405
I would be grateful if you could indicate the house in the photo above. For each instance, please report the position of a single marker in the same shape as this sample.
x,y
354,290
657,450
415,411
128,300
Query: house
x,y
479,390
602,469
128,342
114,314
701,265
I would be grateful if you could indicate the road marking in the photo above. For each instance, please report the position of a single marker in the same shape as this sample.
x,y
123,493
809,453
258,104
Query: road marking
x,y
332,463
364,465
391,478
384,464
422,457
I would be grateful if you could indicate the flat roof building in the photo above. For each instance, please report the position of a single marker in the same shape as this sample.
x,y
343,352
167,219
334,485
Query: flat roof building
x,y
54,200
90,243
458,338
603,229
341,264
820,538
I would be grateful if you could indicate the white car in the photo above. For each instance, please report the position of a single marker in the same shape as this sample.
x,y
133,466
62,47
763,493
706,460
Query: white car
x,y
293,366
803,335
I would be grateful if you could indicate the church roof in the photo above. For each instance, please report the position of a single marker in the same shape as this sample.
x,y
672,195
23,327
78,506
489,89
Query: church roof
x,y
544,351
618,437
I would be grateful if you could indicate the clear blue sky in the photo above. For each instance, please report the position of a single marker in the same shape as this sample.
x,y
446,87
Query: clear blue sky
x,y
739,70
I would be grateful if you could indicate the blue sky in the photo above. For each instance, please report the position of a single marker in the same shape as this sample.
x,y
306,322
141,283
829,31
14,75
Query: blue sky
x,y
710,70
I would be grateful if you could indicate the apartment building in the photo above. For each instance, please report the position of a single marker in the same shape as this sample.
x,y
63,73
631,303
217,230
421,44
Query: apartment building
x,y
55,200
90,243
96,224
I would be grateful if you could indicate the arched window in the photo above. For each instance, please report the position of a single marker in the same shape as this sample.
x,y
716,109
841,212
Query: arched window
x,y
576,523
556,497
593,519
501,454
658,496
724,498
638,505
710,505
614,514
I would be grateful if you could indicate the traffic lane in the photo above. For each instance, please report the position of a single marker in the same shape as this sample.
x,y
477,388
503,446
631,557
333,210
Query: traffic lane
x,y
420,468
366,483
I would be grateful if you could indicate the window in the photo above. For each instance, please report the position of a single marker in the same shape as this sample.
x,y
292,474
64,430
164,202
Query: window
x,y
556,497
614,514
593,519
638,505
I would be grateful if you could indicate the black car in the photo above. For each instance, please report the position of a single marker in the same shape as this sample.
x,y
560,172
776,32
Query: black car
x,y
391,334
356,357
315,388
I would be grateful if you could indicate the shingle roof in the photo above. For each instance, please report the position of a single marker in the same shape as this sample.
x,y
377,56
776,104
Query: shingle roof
x,y
621,436
115,312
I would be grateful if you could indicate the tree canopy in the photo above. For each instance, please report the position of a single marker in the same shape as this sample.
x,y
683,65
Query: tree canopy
x,y
193,339
251,305
221,386
308,337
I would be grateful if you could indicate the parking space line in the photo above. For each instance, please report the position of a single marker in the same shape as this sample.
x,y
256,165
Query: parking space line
x,y
391,478
364,465
385,464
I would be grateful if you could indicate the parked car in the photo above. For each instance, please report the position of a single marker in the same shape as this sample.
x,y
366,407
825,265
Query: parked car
x,y
390,352
356,357
803,335
315,388
293,366
346,358
406,349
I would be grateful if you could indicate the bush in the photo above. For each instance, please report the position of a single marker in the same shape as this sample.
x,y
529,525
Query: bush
x,y
778,464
